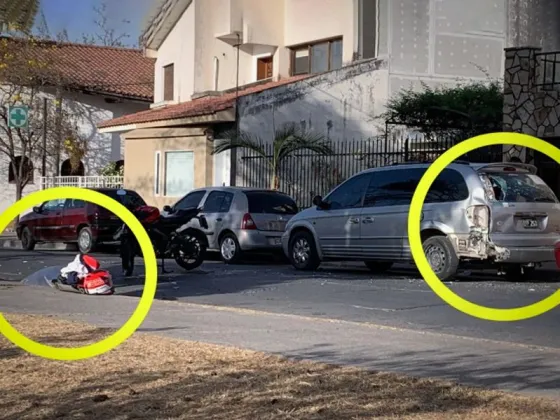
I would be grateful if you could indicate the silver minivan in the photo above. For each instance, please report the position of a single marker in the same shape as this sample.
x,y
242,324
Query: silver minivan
x,y
497,213
240,219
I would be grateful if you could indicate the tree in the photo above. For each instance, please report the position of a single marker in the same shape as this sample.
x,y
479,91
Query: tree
x,y
287,140
105,35
470,108
18,13
26,73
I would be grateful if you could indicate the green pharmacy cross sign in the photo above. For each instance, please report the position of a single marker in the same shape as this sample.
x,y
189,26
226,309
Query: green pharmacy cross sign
x,y
18,116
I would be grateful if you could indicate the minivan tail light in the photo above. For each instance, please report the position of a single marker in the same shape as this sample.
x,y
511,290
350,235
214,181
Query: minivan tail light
x,y
479,216
248,223
557,254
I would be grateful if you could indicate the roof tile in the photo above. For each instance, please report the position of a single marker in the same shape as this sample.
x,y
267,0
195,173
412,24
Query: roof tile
x,y
197,107
112,70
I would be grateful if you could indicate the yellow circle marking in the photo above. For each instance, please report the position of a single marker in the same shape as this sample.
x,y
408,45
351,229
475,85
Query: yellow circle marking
x,y
456,301
150,286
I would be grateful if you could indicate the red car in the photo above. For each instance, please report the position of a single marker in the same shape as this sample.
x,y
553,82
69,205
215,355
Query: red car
x,y
75,221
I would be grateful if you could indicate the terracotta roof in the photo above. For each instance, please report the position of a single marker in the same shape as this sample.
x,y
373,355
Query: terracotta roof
x,y
99,69
197,107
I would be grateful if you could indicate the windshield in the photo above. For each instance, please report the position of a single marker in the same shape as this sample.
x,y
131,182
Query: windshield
x,y
131,200
271,203
512,187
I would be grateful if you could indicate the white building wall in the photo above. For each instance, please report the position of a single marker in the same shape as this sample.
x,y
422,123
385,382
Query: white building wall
x,y
178,49
103,148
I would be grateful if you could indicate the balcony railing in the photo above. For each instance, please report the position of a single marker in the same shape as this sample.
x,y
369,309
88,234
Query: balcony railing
x,y
82,181
548,70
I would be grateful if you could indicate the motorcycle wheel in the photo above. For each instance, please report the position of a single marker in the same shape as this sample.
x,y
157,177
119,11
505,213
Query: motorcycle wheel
x,y
194,257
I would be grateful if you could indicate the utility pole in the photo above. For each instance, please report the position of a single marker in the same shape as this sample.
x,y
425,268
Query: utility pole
x,y
45,127
233,165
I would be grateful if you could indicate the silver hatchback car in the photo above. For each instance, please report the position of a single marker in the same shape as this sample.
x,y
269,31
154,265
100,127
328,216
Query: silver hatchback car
x,y
240,219
498,213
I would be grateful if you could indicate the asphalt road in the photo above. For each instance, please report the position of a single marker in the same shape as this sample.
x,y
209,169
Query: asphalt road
x,y
400,299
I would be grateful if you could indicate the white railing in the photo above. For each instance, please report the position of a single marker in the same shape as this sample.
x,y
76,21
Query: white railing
x,y
82,181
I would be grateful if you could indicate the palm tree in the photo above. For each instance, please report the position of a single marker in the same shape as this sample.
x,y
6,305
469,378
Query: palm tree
x,y
287,140
19,13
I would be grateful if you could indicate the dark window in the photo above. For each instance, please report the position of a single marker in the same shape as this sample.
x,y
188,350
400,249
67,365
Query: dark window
x,y
75,204
317,57
168,82
53,205
27,170
511,187
271,203
190,201
349,195
214,202
226,203
396,187
264,68
130,200
68,169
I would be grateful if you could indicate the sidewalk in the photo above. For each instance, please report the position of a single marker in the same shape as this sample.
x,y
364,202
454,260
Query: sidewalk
x,y
486,363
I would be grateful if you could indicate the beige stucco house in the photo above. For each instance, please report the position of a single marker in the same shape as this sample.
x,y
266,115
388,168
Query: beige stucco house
x,y
329,65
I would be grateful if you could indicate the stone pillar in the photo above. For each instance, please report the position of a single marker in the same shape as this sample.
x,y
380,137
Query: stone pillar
x,y
519,86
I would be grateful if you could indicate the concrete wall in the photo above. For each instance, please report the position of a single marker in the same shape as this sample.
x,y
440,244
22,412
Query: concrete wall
x,y
141,147
178,49
439,42
342,104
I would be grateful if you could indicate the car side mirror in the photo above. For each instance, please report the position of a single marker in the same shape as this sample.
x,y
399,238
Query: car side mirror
x,y
37,209
167,209
318,201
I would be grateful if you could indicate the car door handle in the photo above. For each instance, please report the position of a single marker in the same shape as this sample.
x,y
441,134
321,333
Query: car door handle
x,y
354,220
368,220
219,220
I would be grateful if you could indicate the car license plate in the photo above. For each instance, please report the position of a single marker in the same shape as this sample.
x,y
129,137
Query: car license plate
x,y
276,241
530,223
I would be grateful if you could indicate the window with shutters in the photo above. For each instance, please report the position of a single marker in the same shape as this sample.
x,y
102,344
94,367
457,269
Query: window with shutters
x,y
264,68
168,82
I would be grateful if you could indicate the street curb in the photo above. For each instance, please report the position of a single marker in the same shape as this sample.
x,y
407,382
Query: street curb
x,y
12,242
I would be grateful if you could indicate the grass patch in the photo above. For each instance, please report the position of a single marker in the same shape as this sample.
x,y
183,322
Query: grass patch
x,y
151,377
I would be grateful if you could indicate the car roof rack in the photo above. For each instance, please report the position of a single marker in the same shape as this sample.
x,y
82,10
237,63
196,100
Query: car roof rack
x,y
460,162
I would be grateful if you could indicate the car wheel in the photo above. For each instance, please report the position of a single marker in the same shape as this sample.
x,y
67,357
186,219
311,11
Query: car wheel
x,y
230,251
441,256
303,252
86,243
27,241
377,267
517,272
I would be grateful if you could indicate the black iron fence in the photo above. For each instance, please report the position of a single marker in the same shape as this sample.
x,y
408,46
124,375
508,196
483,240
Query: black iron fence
x,y
306,174
548,70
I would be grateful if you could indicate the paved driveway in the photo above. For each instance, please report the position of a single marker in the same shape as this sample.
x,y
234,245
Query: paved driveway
x,y
400,299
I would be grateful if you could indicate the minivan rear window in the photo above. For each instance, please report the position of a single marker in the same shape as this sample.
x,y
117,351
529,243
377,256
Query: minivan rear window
x,y
510,187
271,203
131,200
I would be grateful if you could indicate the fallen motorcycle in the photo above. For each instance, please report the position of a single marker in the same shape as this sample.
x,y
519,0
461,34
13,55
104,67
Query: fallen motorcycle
x,y
83,275
170,236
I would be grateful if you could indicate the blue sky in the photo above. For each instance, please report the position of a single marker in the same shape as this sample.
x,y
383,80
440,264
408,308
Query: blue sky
x,y
77,16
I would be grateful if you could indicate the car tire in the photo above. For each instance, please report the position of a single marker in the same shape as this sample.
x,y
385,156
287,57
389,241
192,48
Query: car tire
x,y
86,244
516,272
378,267
302,251
230,251
441,256
27,241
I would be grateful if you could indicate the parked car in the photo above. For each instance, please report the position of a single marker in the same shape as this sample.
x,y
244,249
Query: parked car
x,y
497,213
74,221
240,219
